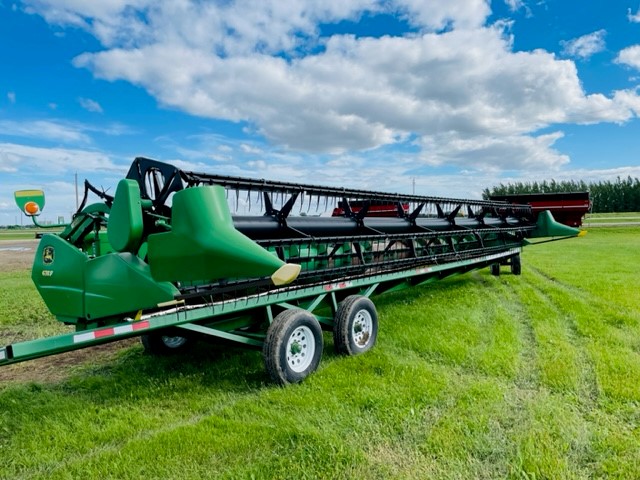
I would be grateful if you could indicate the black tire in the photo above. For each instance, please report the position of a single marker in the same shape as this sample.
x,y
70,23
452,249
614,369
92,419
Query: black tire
x,y
516,265
293,347
495,269
166,343
355,329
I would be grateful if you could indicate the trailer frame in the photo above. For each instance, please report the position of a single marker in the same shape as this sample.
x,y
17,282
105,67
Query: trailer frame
x,y
246,320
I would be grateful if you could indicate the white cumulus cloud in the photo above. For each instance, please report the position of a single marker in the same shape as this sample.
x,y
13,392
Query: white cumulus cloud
x,y
41,160
454,83
243,26
495,153
630,56
361,93
59,131
633,17
585,46
514,5
90,105
53,130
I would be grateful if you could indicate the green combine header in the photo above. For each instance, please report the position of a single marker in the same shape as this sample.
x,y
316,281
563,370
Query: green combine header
x,y
165,259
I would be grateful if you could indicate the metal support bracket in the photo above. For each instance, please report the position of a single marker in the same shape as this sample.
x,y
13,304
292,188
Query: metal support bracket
x,y
220,334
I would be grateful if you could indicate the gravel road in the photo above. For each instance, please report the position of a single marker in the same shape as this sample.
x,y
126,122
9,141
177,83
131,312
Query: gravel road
x,y
17,254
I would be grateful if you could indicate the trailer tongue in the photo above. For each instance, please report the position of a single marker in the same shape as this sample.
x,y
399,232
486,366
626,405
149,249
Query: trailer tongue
x,y
164,258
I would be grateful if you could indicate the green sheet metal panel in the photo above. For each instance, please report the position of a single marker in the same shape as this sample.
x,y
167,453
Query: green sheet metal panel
x,y
125,225
117,284
203,243
58,273
547,226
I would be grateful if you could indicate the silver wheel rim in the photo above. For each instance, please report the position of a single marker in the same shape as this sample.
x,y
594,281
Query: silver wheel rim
x,y
362,328
173,342
301,347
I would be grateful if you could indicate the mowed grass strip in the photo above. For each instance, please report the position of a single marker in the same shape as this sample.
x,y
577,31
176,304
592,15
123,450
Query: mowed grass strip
x,y
603,308
595,219
474,377
25,233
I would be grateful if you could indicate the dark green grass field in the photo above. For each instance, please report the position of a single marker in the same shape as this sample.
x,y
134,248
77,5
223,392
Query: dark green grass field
x,y
528,377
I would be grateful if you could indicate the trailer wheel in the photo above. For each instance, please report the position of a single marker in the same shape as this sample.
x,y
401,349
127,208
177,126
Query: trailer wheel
x,y
293,346
356,326
516,265
495,269
165,343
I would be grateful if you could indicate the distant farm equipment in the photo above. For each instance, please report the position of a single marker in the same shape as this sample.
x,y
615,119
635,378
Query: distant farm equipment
x,y
165,259
567,208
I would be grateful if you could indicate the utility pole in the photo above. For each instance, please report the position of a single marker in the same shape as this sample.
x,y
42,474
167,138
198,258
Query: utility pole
x,y
414,185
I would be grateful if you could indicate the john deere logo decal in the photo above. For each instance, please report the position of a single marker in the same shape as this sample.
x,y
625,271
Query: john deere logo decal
x,y
47,255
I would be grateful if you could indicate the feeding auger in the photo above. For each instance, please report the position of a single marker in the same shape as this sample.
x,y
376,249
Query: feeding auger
x,y
166,259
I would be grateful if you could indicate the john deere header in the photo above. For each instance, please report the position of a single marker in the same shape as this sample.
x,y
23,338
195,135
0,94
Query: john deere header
x,y
167,250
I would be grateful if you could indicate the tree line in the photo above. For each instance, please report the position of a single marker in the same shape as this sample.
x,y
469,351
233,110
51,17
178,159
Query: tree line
x,y
621,195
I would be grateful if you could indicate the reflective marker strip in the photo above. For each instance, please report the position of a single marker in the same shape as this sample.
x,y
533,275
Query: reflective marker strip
x,y
424,270
337,286
500,255
108,332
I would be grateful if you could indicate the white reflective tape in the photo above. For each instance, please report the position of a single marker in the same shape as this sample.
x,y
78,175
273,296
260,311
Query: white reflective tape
x,y
122,329
500,255
338,286
423,270
84,337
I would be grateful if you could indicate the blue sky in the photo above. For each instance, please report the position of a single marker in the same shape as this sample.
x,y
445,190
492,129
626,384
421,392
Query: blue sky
x,y
456,95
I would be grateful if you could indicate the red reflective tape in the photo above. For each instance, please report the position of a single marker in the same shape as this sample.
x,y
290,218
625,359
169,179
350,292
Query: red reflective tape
x,y
337,286
140,325
107,332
